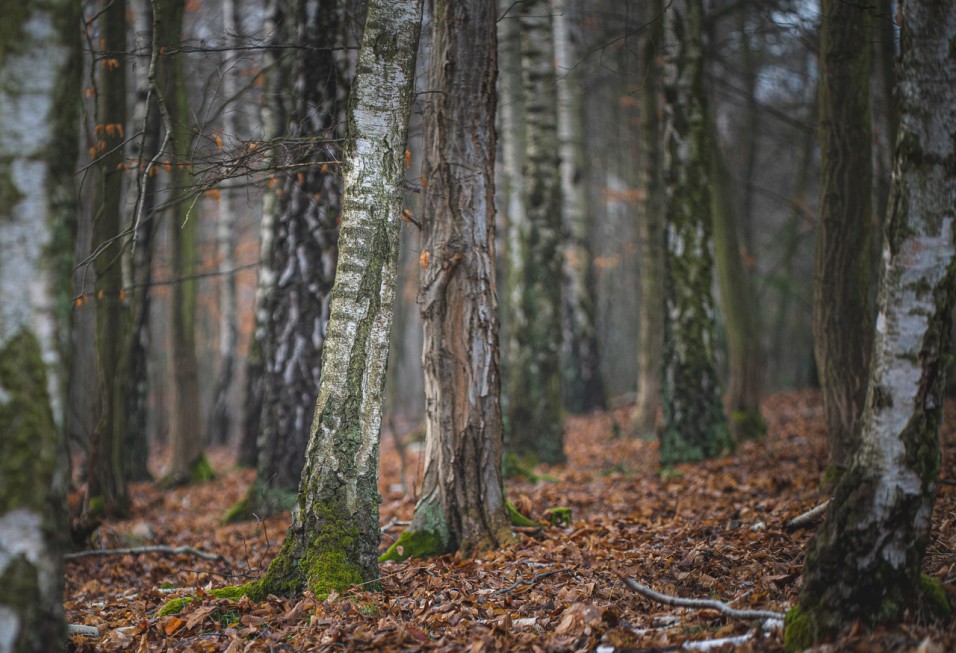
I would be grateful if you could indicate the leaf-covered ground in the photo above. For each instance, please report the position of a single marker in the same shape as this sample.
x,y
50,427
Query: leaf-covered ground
x,y
713,530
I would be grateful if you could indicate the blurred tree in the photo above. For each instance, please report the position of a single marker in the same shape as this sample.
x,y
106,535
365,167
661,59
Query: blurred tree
x,y
534,288
695,426
651,233
583,388
106,491
864,563
842,311
333,540
462,505
35,44
188,460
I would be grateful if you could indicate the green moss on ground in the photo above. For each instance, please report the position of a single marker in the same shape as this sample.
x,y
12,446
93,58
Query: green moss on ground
x,y
559,516
201,471
414,544
232,592
748,424
517,519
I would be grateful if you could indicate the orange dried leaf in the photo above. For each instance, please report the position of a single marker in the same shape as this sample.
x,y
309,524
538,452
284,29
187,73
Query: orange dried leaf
x,y
173,625
218,140
325,168
423,259
408,159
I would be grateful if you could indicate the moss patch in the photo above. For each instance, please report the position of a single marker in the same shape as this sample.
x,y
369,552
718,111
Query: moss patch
x,y
232,592
932,601
559,516
800,630
514,467
239,511
517,519
747,424
414,544
201,471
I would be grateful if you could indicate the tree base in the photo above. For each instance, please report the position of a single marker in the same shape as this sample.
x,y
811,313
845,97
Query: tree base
x,y
747,425
414,544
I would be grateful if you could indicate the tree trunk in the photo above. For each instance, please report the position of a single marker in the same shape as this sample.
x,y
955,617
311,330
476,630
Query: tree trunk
x,y
185,432
218,426
842,313
33,479
865,561
583,388
738,304
651,236
304,251
106,489
695,427
333,540
534,385
462,506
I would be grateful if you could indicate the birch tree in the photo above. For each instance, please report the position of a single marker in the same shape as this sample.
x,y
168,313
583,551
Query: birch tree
x,y
33,523
333,540
462,506
695,426
864,563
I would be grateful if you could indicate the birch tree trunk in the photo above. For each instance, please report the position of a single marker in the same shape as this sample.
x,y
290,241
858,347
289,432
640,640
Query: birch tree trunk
x,y
333,540
106,489
695,427
33,523
842,312
583,388
865,561
534,385
651,235
462,506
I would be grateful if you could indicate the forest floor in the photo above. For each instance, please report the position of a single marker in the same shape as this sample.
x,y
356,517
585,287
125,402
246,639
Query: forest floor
x,y
714,530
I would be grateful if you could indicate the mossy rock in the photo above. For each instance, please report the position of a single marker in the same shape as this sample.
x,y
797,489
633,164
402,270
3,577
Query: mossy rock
x,y
559,516
414,544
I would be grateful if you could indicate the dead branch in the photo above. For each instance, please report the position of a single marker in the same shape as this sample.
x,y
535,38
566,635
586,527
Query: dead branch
x,y
808,517
704,604
85,631
173,550
532,580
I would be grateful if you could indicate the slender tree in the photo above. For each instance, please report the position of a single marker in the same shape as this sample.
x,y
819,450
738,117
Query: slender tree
x,y
106,488
33,61
865,561
651,234
333,540
534,384
462,505
695,426
842,311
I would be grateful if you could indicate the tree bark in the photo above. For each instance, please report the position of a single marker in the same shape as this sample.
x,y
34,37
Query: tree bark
x,y
842,312
865,561
534,386
33,63
583,388
694,423
106,489
462,506
651,236
333,540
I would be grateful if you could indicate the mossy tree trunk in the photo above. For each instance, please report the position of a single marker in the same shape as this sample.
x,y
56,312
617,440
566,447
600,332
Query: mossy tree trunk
x,y
462,506
303,247
106,489
185,424
738,303
695,427
583,387
865,561
651,235
842,311
33,479
333,540
534,374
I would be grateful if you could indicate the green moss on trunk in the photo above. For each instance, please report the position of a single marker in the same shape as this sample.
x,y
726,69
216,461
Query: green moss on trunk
x,y
517,519
415,544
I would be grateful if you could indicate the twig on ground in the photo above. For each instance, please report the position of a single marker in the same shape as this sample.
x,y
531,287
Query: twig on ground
x,y
808,517
536,577
85,631
707,644
146,549
709,604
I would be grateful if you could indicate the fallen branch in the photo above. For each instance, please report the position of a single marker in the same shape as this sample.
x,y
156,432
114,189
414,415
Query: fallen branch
x,y
146,549
85,631
536,577
808,517
707,604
